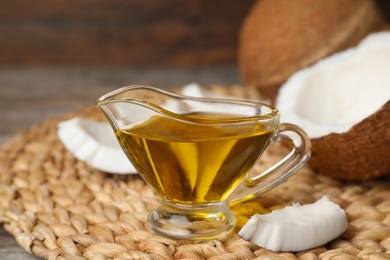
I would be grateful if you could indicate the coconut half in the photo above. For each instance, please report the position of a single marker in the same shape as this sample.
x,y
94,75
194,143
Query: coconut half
x,y
342,103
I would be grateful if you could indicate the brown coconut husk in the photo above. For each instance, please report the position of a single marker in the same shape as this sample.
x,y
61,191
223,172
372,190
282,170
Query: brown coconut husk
x,y
362,153
279,37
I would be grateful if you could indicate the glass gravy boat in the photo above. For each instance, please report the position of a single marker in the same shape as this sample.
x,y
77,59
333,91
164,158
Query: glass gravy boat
x,y
196,153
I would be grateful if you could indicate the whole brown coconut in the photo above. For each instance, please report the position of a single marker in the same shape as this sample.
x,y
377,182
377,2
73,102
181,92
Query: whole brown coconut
x,y
366,140
279,37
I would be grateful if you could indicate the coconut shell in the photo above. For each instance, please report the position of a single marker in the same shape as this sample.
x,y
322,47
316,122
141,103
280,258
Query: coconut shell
x,y
279,37
360,154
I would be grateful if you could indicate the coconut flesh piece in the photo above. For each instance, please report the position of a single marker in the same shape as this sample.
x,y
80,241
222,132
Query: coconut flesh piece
x,y
296,228
342,103
95,144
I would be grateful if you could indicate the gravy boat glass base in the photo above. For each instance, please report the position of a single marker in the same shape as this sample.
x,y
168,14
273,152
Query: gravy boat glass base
x,y
192,222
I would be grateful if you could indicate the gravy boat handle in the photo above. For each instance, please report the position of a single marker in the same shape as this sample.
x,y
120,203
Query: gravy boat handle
x,y
300,153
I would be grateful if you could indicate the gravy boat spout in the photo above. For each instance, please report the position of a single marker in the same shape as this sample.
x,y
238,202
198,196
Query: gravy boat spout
x,y
131,105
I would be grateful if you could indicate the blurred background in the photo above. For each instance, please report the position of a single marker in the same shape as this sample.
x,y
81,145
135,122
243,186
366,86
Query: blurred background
x,y
120,32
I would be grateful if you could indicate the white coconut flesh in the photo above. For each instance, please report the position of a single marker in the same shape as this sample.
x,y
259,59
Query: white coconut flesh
x,y
95,144
339,91
296,228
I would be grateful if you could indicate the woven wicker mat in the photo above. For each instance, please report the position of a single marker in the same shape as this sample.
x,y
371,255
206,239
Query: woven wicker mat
x,y
57,207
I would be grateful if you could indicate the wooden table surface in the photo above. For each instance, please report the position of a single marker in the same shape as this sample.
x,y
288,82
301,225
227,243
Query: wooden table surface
x,y
29,96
